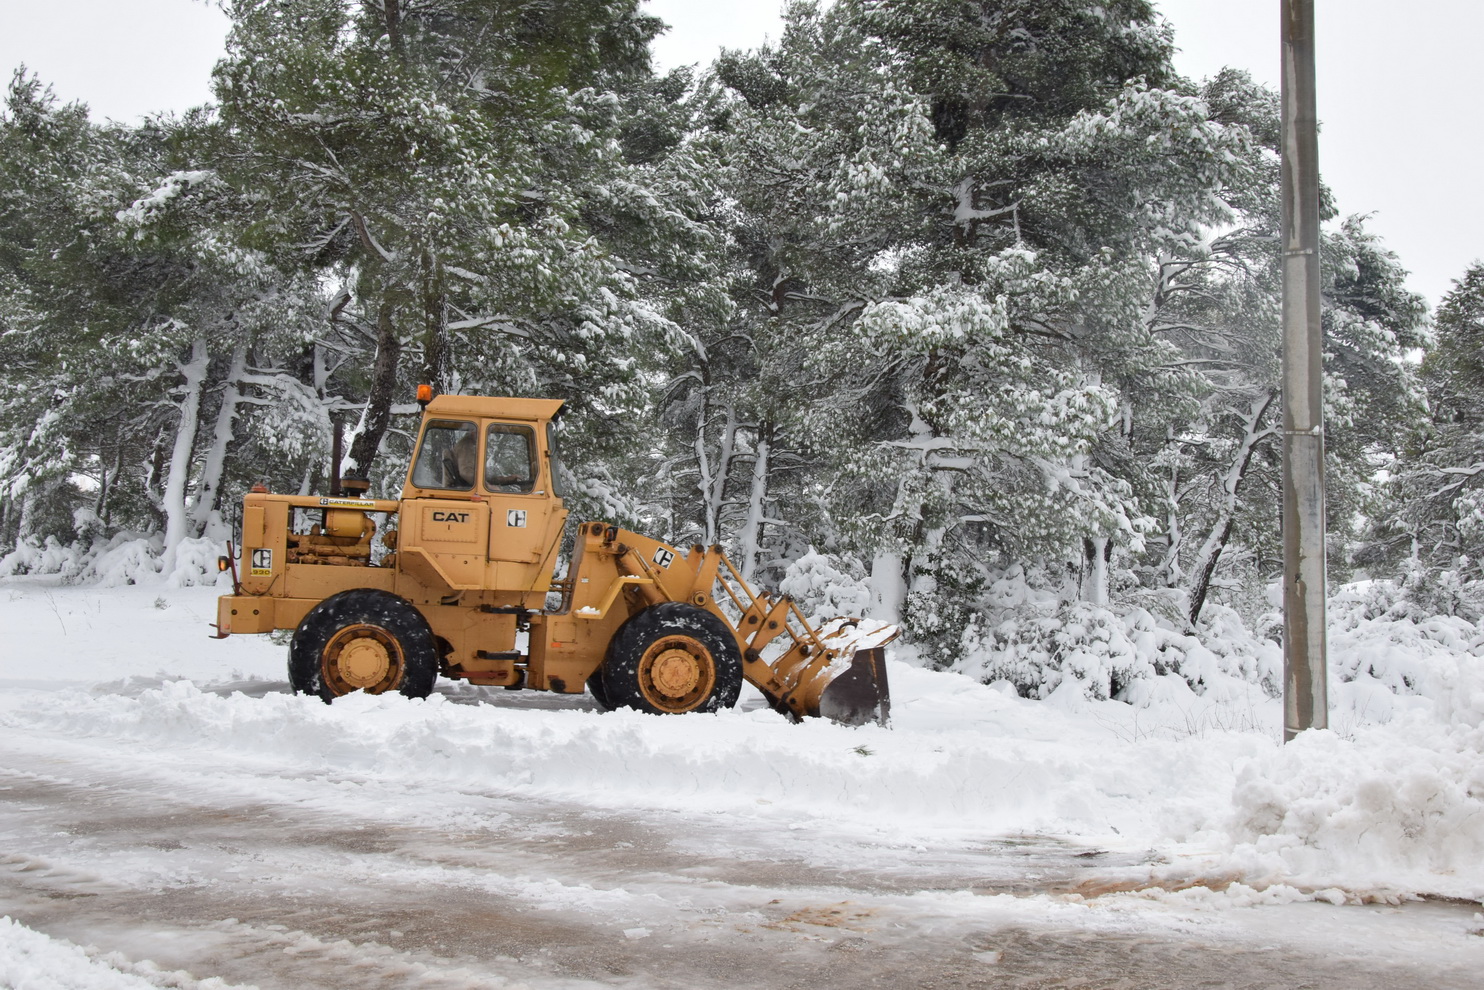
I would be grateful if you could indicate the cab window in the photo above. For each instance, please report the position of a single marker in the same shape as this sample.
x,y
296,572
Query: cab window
x,y
447,458
510,459
555,459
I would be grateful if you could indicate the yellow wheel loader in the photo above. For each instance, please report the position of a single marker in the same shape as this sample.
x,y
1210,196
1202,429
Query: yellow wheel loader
x,y
459,582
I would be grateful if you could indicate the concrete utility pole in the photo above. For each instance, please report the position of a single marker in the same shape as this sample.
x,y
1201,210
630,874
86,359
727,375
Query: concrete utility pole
x,y
1305,690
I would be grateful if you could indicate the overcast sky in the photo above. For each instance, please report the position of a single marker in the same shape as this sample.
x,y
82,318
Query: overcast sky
x,y
1397,87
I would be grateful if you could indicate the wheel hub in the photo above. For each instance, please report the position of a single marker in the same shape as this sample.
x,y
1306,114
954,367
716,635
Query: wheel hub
x,y
675,673
364,663
362,658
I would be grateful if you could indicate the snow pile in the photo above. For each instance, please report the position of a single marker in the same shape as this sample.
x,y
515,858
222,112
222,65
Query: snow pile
x,y
30,960
1391,798
1398,808
911,779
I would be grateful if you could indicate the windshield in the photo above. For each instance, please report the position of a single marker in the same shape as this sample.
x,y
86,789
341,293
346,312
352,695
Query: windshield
x,y
446,458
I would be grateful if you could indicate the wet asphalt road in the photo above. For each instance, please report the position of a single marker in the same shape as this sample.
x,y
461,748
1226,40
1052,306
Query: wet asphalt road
x,y
528,893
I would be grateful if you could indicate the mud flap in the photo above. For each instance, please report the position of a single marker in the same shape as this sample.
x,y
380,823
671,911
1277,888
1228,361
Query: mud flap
x,y
860,694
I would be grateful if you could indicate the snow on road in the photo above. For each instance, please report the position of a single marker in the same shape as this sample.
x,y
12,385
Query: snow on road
x,y
165,802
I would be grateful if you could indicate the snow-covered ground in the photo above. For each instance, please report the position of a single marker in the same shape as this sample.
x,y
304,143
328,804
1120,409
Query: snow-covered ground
x,y
976,808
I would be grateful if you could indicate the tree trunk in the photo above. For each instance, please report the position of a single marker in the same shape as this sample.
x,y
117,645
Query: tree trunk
x,y
890,568
888,586
725,455
752,529
712,482
154,472
392,15
703,474
942,468
177,522
1205,562
1097,552
377,414
208,493
926,560
435,324
23,515
103,510
1169,567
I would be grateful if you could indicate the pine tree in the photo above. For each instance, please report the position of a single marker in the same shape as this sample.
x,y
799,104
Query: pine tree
x,y
433,158
1430,519
135,318
1073,168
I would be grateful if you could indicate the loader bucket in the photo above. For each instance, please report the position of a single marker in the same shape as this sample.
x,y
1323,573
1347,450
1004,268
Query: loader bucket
x,y
843,681
860,694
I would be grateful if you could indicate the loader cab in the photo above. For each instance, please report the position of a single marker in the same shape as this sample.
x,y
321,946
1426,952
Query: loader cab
x,y
481,507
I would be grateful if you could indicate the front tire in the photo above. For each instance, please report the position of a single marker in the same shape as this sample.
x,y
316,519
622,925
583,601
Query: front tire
x,y
595,688
363,640
672,658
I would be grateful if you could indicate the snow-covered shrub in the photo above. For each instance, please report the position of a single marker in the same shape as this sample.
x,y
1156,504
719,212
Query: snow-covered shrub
x,y
39,503
1383,650
823,588
127,558
1126,653
1383,643
934,622
1446,592
88,526
36,556
195,563
940,605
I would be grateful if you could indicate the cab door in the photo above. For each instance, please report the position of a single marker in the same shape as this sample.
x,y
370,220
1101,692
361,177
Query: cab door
x,y
525,514
444,534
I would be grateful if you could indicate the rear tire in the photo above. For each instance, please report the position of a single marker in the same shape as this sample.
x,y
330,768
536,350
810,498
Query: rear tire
x,y
363,640
670,659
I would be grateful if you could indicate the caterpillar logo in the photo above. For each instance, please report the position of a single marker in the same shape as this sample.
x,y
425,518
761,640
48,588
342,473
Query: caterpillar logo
x,y
441,516
348,503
